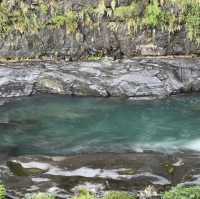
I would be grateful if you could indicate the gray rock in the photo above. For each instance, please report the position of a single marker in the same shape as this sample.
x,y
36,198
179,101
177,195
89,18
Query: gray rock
x,y
148,78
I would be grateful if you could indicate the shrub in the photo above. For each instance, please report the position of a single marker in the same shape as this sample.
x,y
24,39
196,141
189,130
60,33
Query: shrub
x,y
183,193
118,195
153,14
2,192
84,194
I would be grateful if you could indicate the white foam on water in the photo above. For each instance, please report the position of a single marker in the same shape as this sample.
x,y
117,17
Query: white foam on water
x,y
163,146
169,146
193,145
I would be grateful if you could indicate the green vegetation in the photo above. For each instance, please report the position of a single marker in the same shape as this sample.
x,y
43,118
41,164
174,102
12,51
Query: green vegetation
x,y
84,194
175,193
118,195
166,15
95,57
183,193
2,192
39,196
153,15
70,20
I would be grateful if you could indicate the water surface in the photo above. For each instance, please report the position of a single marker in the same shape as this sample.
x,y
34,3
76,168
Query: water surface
x,y
58,125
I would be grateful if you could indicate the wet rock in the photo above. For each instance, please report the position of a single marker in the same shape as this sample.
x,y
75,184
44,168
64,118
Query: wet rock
x,y
27,169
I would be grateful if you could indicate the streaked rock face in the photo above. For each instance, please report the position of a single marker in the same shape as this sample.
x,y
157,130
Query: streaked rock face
x,y
139,77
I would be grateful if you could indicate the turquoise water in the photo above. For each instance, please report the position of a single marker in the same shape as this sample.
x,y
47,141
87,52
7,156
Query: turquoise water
x,y
57,125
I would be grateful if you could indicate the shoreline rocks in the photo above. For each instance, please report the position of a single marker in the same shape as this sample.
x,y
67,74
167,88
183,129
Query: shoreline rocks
x,y
131,172
138,77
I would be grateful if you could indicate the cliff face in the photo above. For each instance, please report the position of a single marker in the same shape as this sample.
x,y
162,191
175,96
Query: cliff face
x,y
84,28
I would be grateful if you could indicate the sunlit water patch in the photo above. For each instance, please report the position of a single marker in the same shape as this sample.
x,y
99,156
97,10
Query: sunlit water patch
x,y
57,125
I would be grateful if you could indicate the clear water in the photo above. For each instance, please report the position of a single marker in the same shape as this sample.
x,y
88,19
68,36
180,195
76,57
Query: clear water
x,y
56,125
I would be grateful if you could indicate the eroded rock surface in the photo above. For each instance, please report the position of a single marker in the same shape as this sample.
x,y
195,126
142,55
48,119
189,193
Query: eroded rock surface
x,y
139,77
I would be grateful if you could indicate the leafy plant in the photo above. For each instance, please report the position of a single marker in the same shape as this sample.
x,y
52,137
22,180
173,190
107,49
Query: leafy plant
x,y
84,194
58,21
153,14
183,193
2,192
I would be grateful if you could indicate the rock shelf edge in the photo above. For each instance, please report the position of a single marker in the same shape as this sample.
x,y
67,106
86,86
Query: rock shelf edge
x,y
137,78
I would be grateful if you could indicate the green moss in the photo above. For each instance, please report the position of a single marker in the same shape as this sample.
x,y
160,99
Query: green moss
x,y
183,193
2,192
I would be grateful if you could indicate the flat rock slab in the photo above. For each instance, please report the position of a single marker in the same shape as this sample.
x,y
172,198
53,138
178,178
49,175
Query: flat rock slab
x,y
139,77
100,172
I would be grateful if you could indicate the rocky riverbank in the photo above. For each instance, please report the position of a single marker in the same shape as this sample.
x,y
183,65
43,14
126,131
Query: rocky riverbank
x,y
138,77
99,173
